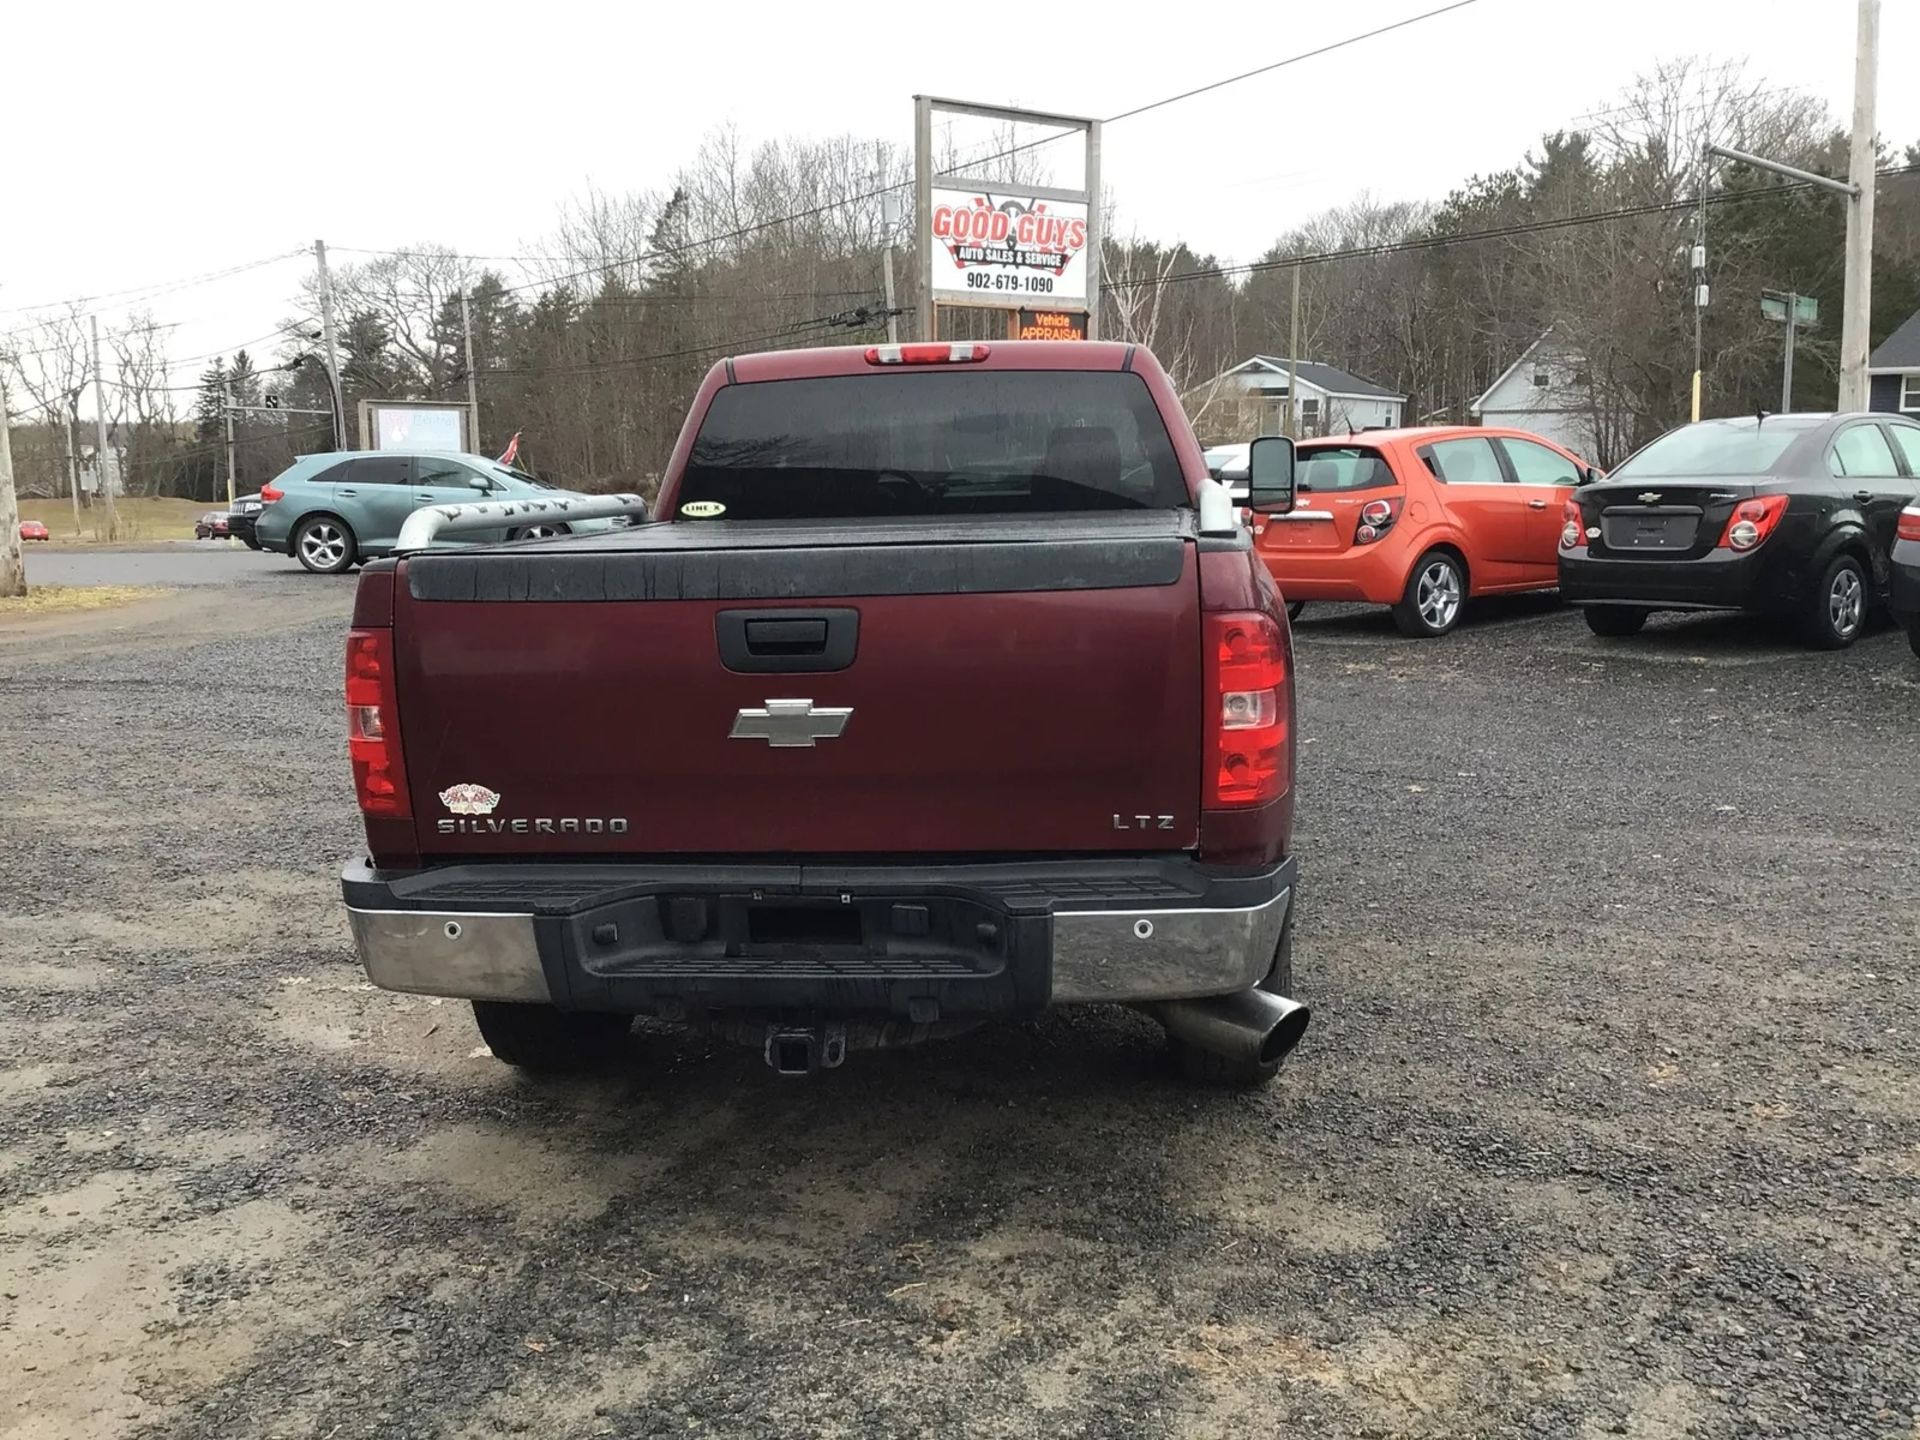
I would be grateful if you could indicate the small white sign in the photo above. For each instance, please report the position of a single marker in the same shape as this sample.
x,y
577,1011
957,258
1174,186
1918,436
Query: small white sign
x,y
993,248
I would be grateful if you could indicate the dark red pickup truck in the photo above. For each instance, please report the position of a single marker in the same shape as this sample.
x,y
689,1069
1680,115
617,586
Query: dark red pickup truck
x,y
944,688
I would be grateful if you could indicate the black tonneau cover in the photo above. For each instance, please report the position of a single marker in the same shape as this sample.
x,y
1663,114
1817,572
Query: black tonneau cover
x,y
739,560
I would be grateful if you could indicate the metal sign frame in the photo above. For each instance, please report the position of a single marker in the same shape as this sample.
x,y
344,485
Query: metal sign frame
x,y
369,432
925,179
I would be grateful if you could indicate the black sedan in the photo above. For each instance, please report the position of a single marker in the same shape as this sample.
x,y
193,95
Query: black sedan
x,y
242,518
1791,516
1904,584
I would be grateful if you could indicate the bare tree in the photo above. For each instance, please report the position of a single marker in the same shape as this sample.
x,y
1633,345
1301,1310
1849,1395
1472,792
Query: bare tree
x,y
142,411
49,357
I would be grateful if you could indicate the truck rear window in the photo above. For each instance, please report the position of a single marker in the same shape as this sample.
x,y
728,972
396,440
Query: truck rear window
x,y
945,442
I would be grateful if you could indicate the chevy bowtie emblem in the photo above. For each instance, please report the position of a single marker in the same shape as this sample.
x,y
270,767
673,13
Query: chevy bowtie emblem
x,y
787,723
1648,497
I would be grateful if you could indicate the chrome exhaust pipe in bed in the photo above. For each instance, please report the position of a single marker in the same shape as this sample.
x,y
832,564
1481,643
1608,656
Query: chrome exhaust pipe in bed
x,y
1248,1026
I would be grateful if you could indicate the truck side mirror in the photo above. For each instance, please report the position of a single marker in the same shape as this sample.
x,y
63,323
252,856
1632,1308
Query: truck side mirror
x,y
1270,475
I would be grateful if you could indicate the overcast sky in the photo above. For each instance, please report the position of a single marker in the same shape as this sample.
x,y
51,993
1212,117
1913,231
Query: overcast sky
x,y
152,143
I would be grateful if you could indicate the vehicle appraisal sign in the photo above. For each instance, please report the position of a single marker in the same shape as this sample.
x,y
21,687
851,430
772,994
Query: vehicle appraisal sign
x,y
993,248
1051,325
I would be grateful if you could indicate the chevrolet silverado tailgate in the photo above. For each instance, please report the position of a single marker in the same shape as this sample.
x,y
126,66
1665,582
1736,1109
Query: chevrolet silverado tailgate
x,y
1004,685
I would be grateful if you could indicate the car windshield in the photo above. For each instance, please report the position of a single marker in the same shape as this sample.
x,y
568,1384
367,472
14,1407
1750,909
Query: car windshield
x,y
1342,467
946,442
1713,449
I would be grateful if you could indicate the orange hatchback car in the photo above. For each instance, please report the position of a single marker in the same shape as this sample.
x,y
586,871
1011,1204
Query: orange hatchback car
x,y
1422,519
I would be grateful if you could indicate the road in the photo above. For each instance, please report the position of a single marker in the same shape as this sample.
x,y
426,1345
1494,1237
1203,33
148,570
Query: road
x,y
188,562
1607,1124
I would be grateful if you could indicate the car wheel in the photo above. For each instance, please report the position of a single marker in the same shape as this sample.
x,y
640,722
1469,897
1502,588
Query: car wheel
x,y
1294,607
250,542
1436,592
1913,639
539,1037
324,545
536,532
1615,620
1837,610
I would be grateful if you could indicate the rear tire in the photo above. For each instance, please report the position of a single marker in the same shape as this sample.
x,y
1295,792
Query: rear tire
x,y
1913,638
323,544
1436,593
1204,1067
1294,607
1836,612
1615,621
539,1037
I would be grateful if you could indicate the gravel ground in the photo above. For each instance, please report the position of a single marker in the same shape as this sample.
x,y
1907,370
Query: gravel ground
x,y
1607,1123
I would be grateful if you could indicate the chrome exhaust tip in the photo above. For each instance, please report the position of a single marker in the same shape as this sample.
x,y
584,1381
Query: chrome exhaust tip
x,y
1250,1027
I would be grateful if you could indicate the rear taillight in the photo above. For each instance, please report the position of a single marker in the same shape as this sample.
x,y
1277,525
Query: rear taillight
x,y
270,493
1572,526
1376,518
1248,760
1910,523
373,725
961,352
1752,521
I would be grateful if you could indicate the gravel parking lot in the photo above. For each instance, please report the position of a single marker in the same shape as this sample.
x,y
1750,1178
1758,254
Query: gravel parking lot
x,y
1608,1122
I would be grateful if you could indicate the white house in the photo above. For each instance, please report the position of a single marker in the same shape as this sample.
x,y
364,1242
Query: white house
x,y
1251,399
1549,391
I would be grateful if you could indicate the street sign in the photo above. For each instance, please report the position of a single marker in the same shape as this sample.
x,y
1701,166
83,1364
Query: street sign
x,y
1806,309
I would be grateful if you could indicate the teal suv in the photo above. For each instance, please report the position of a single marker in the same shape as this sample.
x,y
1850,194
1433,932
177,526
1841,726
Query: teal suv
x,y
330,511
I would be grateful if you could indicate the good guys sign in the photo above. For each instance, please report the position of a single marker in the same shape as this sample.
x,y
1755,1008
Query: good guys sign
x,y
1004,249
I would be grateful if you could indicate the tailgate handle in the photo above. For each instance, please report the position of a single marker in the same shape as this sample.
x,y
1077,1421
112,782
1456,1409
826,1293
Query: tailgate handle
x,y
786,642
786,637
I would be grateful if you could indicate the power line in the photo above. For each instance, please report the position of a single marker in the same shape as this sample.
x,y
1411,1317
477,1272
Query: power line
x,y
1327,49
1526,227
846,202
862,318
151,291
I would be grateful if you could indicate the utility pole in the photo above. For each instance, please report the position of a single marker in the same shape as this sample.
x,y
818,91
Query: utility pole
x,y
1857,306
332,355
100,437
473,383
226,409
72,453
1293,361
13,565
1700,291
890,226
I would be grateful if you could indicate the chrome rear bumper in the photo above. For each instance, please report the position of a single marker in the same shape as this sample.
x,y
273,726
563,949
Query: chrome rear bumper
x,y
413,934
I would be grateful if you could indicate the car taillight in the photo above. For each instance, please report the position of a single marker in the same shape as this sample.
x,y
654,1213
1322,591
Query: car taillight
x,y
1572,526
373,725
1910,523
1376,518
1752,521
1248,759
961,352
269,494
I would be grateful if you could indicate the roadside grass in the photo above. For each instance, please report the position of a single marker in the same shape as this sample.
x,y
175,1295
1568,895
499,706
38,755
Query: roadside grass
x,y
141,518
69,599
